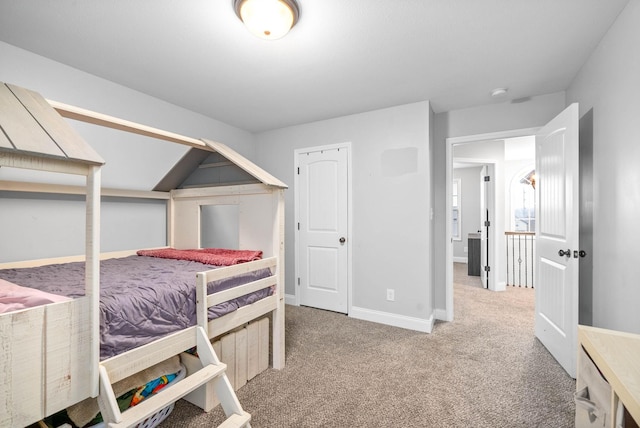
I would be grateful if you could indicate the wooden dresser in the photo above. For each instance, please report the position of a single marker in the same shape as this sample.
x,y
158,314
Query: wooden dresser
x,y
617,355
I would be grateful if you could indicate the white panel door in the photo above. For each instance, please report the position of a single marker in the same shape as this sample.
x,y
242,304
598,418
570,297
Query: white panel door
x,y
557,243
322,229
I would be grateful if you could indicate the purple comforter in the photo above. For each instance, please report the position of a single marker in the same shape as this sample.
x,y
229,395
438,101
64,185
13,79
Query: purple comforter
x,y
141,298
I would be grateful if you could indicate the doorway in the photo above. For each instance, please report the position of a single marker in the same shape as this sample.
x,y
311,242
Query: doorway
x,y
496,282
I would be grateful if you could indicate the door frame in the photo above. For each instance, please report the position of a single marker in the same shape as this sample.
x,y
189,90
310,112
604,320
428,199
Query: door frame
x,y
450,143
346,146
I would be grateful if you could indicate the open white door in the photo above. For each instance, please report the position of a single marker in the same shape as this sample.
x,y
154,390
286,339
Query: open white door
x,y
322,249
557,243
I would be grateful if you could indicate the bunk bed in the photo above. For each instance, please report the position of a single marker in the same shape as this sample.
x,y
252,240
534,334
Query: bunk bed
x,y
50,354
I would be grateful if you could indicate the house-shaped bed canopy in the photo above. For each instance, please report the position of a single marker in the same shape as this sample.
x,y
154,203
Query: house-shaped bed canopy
x,y
34,135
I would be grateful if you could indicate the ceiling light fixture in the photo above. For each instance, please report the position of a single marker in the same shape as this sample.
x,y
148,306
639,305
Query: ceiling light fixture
x,y
268,19
499,92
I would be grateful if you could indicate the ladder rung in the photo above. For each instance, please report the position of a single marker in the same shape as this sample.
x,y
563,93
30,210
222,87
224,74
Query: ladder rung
x,y
236,421
169,395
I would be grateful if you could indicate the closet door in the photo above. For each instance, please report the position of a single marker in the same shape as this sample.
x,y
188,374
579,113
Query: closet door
x,y
322,255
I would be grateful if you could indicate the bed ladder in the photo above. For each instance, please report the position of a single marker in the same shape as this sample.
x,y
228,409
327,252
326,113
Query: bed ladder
x,y
123,365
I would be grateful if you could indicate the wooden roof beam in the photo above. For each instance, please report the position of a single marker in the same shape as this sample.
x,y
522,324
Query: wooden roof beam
x,y
88,116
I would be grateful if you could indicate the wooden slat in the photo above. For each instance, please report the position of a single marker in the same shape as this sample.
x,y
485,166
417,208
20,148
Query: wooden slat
x,y
245,164
215,164
241,358
107,398
27,161
112,122
68,259
19,186
67,335
263,360
229,271
23,130
4,142
247,189
144,356
253,350
236,421
228,355
221,184
21,390
168,395
64,136
241,290
242,315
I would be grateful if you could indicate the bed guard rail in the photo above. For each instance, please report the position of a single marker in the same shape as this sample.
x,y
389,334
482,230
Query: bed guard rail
x,y
203,278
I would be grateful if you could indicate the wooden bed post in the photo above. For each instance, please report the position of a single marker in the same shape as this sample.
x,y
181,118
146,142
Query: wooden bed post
x,y
278,314
92,269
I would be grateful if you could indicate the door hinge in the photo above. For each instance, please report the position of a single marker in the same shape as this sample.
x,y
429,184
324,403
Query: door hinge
x,y
487,223
298,225
298,281
298,170
487,268
487,178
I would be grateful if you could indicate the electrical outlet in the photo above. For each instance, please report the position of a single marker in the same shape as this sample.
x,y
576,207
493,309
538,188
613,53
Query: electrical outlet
x,y
391,295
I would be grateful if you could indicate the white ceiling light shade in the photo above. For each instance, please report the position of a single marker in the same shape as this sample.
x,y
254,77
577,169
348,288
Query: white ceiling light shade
x,y
268,19
499,92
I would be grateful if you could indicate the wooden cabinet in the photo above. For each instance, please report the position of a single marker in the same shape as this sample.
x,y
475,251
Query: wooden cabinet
x,y
617,356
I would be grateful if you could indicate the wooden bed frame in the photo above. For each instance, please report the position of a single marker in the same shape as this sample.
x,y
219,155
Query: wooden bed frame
x,y
49,355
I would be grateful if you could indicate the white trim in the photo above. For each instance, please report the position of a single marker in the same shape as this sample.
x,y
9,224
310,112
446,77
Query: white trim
x,y
290,299
461,259
440,314
458,182
395,320
346,145
449,143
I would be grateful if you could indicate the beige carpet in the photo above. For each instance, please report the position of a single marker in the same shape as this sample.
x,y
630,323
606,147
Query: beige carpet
x,y
485,369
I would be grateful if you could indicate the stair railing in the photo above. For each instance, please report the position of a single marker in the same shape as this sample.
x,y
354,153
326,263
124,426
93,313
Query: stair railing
x,y
520,258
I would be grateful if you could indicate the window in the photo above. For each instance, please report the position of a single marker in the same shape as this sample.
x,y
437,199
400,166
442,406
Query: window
x,y
523,202
456,227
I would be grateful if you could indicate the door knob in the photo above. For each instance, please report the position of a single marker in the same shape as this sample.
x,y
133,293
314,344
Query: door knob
x,y
563,253
342,240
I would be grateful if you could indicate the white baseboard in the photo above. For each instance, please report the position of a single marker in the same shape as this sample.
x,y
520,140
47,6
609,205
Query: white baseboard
x,y
501,286
290,299
461,259
402,321
440,314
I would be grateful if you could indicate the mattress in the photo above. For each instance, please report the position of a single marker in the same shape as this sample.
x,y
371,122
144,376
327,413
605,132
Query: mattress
x,y
141,298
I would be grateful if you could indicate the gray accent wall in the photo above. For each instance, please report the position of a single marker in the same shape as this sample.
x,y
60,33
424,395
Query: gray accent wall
x,y
608,89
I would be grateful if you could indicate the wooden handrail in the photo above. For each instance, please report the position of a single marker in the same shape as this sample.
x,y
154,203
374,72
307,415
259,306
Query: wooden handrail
x,y
520,233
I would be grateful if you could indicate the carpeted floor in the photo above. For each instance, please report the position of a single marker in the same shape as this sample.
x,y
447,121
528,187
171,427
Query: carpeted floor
x,y
485,369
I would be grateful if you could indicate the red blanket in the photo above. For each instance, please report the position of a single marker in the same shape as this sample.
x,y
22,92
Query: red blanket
x,y
209,256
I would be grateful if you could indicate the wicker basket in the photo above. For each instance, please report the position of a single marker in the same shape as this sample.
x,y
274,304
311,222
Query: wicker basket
x,y
155,419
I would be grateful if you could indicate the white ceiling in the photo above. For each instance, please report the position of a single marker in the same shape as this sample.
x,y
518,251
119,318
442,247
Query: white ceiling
x,y
342,57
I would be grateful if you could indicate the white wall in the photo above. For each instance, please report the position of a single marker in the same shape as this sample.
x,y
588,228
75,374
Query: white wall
x,y
608,88
391,239
38,227
534,112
